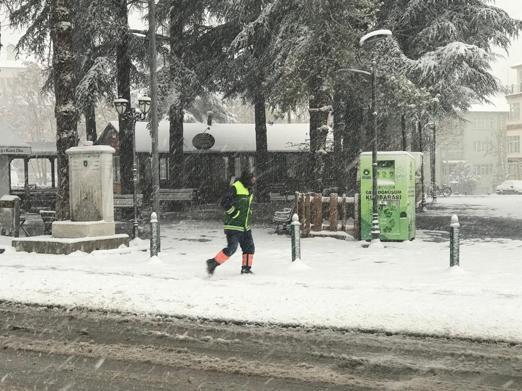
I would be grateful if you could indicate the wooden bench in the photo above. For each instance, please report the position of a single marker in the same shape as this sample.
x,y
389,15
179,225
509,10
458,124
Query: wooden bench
x,y
48,217
281,189
36,199
189,195
126,201
282,219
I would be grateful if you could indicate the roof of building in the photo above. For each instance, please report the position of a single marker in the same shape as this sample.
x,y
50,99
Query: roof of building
x,y
11,64
228,137
12,144
496,104
8,58
43,148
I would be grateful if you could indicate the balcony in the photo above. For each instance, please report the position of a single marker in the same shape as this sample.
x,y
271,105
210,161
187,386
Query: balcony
x,y
513,89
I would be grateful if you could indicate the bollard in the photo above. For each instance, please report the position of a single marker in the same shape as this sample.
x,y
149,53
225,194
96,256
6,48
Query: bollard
x,y
153,234
454,241
295,233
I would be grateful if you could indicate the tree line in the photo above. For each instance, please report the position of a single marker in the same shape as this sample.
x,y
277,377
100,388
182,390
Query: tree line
x,y
279,55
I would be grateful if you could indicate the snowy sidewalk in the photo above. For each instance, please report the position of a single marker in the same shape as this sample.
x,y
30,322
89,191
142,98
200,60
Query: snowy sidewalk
x,y
407,287
494,205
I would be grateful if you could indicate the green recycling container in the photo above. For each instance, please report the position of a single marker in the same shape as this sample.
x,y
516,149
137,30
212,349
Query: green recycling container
x,y
395,194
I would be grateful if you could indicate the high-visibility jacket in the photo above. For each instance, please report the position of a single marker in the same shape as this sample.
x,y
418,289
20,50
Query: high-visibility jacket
x,y
238,210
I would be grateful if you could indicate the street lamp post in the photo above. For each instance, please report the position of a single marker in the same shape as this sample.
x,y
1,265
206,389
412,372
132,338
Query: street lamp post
x,y
421,150
372,37
156,248
376,231
132,115
434,164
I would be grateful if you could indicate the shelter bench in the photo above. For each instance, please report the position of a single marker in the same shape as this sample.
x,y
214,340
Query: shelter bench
x,y
125,201
282,219
48,217
122,201
188,195
282,189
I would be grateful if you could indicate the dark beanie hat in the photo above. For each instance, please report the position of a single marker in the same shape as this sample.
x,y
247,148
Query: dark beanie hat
x,y
246,177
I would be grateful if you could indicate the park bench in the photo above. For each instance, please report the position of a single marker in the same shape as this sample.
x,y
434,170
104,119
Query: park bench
x,y
48,217
179,195
122,201
36,199
282,219
125,201
280,190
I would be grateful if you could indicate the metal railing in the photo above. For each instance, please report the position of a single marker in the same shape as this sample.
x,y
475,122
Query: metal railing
x,y
513,89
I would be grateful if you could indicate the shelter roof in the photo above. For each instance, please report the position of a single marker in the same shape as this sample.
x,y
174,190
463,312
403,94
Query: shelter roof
x,y
228,137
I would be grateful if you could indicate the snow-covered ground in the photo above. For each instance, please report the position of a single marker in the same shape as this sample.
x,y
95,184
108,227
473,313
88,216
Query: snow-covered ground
x,y
493,205
403,287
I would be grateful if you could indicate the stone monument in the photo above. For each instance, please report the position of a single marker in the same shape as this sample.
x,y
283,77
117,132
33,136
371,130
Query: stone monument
x,y
92,224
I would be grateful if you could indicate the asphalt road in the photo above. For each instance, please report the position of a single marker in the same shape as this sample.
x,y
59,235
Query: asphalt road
x,y
49,348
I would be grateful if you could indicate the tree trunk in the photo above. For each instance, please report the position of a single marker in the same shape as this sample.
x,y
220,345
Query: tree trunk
x,y
319,110
90,122
339,108
176,158
353,143
176,113
124,86
404,133
65,111
262,164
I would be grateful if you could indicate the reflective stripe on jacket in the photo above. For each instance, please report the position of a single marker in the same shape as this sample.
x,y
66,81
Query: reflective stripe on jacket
x,y
237,217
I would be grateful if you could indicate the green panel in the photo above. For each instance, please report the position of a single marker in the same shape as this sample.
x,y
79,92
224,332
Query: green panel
x,y
396,195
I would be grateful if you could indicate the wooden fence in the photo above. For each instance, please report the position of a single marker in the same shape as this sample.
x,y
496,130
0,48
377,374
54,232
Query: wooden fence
x,y
328,216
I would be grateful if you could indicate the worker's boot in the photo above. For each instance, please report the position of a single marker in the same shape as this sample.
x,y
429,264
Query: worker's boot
x,y
246,270
211,266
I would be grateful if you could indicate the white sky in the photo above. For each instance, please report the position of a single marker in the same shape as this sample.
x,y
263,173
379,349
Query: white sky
x,y
501,68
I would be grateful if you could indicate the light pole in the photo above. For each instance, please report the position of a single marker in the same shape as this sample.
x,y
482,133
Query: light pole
x,y
132,115
367,39
156,248
421,150
434,163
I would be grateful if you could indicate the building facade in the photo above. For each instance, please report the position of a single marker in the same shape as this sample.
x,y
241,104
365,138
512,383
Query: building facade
x,y
514,127
471,150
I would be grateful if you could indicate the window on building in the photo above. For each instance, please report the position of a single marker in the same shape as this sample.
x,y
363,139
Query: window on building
x,y
164,169
514,111
483,169
482,146
513,144
251,164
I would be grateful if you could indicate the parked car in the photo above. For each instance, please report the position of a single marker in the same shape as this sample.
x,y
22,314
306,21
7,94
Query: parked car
x,y
509,187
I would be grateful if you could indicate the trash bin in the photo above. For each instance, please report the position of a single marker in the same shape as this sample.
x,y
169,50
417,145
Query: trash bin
x,y
395,195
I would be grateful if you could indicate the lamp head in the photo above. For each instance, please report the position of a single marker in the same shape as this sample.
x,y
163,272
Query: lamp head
x,y
121,105
374,36
144,104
